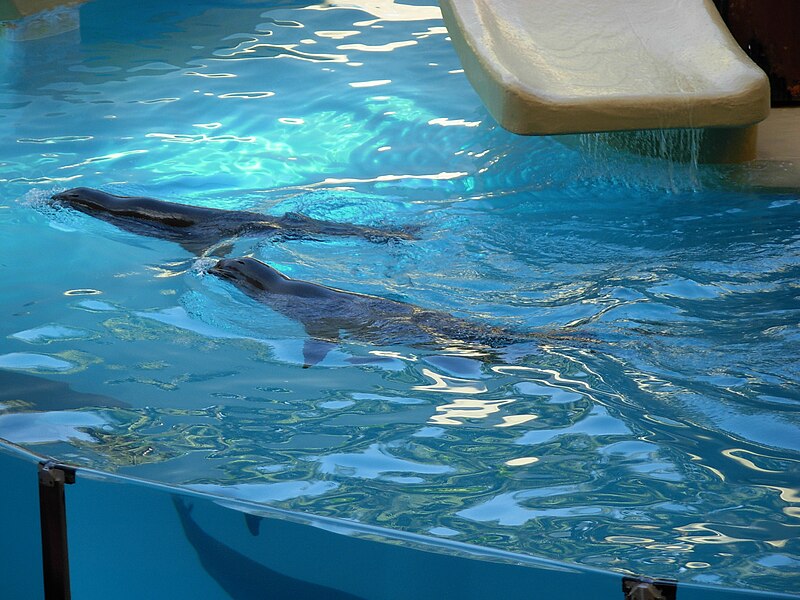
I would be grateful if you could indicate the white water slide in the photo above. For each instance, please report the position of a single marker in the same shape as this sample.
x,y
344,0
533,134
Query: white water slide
x,y
572,66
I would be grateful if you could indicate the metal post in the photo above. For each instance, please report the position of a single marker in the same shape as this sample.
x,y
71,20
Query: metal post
x,y
53,521
648,588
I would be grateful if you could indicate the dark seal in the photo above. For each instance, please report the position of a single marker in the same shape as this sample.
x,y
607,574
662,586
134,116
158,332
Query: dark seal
x,y
198,228
328,314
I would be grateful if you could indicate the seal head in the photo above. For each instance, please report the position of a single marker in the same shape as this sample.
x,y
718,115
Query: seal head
x,y
84,198
251,275
119,209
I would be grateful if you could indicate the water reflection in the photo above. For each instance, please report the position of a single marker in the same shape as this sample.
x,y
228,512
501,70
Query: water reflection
x,y
598,422
510,509
377,462
468,408
450,385
254,49
734,454
522,461
384,10
267,492
29,361
49,427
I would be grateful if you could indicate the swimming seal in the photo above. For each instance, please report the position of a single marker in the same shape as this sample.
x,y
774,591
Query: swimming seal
x,y
328,313
241,576
198,228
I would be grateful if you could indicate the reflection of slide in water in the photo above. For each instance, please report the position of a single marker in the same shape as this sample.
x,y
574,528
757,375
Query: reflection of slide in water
x,y
241,577
16,9
25,20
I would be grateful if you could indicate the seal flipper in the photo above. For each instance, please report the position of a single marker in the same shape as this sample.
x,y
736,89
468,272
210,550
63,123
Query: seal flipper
x,y
253,523
323,334
315,351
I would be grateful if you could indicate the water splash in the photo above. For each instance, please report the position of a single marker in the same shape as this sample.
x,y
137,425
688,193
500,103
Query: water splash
x,y
674,157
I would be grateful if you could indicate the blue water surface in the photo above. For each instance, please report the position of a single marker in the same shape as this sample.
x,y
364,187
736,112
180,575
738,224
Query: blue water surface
x,y
654,428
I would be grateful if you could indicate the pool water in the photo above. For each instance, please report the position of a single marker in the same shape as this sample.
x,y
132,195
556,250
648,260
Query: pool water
x,y
654,427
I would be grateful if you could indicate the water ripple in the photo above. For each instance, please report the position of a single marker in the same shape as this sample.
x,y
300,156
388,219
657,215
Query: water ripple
x,y
56,139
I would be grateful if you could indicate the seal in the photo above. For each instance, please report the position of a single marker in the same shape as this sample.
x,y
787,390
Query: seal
x,y
241,576
328,314
198,228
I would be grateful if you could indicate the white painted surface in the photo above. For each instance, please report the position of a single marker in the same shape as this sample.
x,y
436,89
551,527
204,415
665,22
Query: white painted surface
x,y
569,66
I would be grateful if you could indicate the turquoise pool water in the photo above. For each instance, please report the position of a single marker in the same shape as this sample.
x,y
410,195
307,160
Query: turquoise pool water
x,y
659,436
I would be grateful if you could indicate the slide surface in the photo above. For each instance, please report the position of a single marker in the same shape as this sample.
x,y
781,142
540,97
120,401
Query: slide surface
x,y
572,66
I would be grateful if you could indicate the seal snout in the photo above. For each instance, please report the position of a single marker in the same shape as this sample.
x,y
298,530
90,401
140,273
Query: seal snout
x,y
65,196
218,268
72,195
224,269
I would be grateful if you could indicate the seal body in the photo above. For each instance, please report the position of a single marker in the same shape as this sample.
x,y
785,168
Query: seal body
x,y
238,574
197,228
329,314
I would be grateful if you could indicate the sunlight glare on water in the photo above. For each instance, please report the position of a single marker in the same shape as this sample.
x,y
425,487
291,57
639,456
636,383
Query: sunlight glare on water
x,y
652,427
